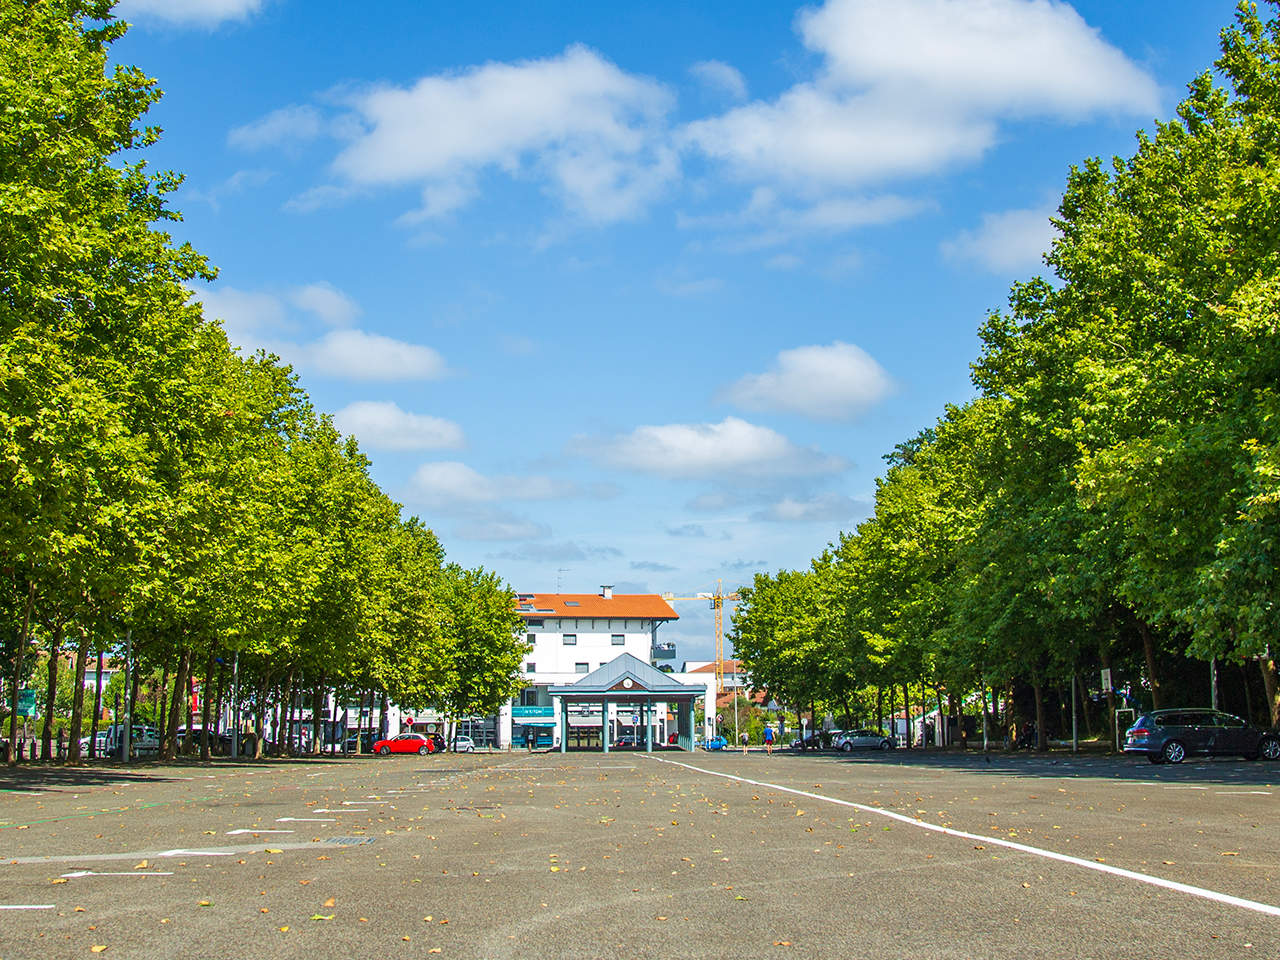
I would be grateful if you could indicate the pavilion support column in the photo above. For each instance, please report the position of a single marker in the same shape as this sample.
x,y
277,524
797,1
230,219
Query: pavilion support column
x,y
648,726
562,714
604,724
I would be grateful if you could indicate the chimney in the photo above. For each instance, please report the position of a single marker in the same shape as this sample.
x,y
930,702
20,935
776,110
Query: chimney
x,y
606,591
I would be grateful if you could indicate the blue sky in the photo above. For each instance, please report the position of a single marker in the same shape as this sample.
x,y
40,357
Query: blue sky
x,y
638,294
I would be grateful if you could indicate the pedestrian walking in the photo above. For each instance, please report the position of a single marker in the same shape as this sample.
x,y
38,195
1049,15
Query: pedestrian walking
x,y
768,740
743,738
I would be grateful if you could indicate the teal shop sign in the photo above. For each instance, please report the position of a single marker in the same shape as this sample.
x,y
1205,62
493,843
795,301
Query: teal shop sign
x,y
26,703
519,713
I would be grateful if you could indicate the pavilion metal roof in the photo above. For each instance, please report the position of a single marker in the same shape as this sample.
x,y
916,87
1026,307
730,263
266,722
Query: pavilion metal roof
x,y
611,677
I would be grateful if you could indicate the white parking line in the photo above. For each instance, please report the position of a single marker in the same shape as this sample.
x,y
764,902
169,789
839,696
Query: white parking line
x,y
77,874
340,810
306,820
232,833
1244,793
27,906
1154,881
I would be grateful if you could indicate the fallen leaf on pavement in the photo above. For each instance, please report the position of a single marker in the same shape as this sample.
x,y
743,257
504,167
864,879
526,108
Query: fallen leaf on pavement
x,y
330,902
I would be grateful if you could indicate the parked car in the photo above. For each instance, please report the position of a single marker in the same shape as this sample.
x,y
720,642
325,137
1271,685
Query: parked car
x,y
627,740
867,739
405,743
812,742
1170,736
463,744
716,743
367,740
101,748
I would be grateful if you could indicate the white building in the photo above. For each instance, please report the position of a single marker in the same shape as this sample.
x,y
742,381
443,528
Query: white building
x,y
573,634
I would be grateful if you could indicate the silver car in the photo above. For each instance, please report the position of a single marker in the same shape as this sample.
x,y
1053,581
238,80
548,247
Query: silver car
x,y
863,740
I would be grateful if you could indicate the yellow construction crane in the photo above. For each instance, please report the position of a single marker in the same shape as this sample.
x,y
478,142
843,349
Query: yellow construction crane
x,y
717,599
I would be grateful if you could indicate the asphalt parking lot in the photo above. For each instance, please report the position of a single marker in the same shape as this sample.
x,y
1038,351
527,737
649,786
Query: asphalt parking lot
x,y
627,855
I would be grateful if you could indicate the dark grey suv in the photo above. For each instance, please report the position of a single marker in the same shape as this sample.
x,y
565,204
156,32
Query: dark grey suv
x,y
1170,736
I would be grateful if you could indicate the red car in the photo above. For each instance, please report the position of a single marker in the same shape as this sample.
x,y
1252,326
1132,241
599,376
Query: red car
x,y
406,743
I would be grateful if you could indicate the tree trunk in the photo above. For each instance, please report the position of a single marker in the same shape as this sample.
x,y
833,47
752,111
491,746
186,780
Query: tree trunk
x,y
51,693
204,707
97,709
1267,664
1039,694
1149,650
18,656
1084,708
879,707
382,719
77,701
906,712
893,712
284,742
260,718
217,699
135,683
169,745
954,717
317,718
162,699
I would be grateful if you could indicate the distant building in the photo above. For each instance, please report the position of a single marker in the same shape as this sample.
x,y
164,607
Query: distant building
x,y
574,634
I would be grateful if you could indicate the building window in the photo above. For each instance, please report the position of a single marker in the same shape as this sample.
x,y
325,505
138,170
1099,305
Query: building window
x,y
531,637
529,697
570,639
533,623
581,668
618,640
530,668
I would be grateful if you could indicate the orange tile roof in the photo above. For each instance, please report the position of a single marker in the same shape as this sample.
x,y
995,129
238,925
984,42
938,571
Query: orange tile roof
x,y
730,666
643,606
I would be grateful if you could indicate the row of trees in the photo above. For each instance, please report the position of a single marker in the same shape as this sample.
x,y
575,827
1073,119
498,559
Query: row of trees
x,y
1111,497
158,485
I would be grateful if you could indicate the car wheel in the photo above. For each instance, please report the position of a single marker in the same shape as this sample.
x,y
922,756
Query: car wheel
x,y
847,747
1173,752
384,750
1269,748
885,745
423,751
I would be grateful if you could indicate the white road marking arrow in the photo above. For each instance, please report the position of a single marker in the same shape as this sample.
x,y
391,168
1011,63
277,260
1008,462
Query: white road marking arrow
x,y
348,810
232,833
77,874
305,820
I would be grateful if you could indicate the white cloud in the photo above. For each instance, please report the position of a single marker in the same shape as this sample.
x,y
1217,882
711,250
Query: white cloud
x,y
835,382
593,134
360,355
1005,242
501,526
448,482
783,261
721,78
768,221
732,447
384,426
203,13
824,508
288,126
263,321
327,302
911,87
560,552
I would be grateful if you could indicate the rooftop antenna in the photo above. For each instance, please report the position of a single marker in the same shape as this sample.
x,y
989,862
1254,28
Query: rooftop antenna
x,y
558,572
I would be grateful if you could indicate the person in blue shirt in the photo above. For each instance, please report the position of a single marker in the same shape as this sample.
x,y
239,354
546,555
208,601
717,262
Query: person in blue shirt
x,y
768,740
